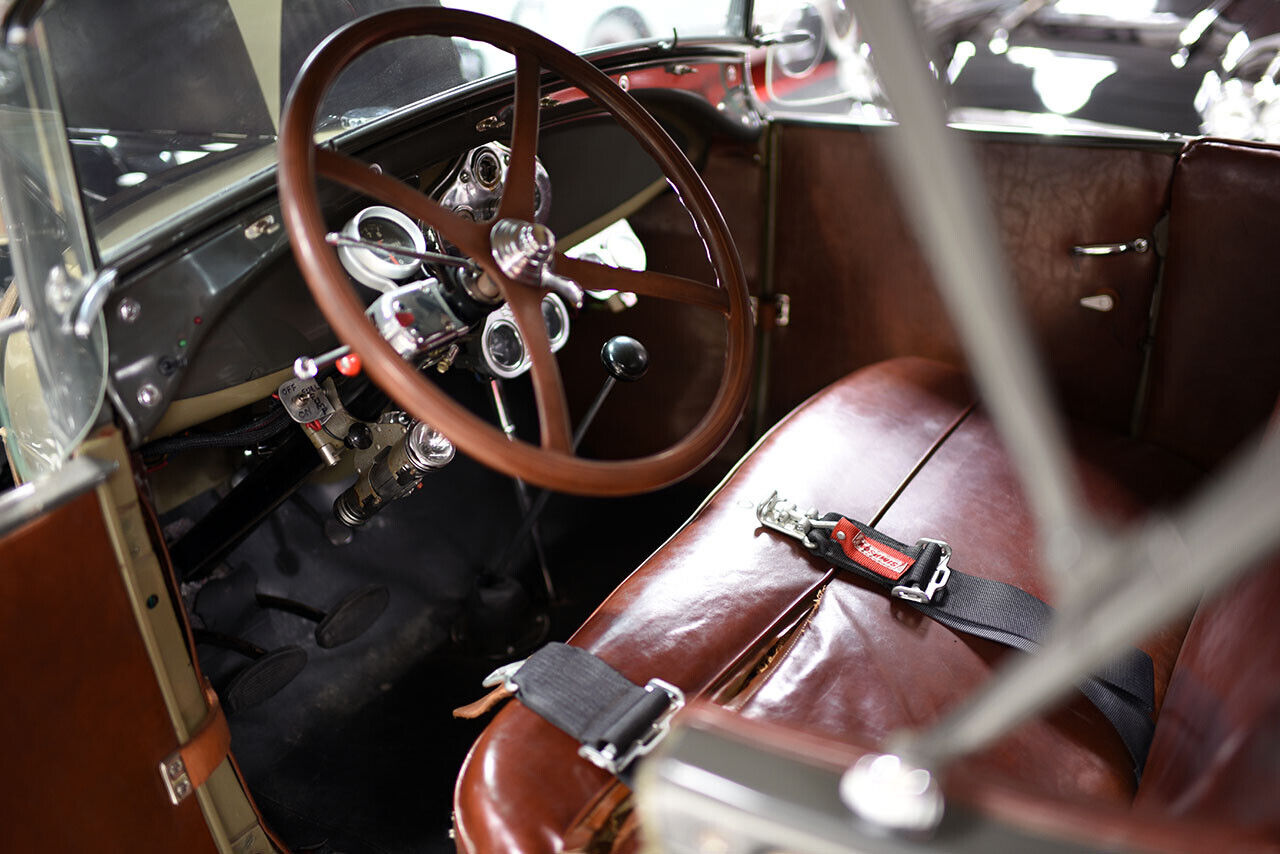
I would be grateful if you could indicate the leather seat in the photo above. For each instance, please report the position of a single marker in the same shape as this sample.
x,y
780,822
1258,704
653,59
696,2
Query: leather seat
x,y
748,618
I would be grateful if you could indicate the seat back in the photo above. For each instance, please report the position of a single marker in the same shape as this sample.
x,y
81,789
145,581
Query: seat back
x,y
1215,363
1216,752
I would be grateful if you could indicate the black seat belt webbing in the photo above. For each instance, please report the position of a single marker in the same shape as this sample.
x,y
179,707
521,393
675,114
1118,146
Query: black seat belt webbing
x,y
614,719
921,575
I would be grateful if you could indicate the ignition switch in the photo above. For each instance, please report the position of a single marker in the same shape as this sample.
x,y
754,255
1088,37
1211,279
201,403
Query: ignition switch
x,y
394,473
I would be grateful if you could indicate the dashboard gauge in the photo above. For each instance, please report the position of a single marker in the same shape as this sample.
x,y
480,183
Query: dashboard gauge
x,y
487,168
556,318
502,346
383,268
474,187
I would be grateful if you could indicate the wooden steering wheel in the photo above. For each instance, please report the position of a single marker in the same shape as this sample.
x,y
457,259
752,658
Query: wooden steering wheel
x,y
551,464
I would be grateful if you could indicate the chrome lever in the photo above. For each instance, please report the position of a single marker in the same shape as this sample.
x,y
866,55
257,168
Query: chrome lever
x,y
1138,245
306,367
335,239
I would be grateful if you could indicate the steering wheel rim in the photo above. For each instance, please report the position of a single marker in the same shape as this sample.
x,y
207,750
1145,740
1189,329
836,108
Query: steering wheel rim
x,y
552,463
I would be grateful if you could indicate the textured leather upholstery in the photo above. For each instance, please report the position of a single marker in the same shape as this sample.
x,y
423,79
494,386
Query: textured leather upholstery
x,y
1216,752
898,442
1219,302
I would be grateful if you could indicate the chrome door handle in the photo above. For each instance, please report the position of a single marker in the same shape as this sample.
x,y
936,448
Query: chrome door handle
x,y
1138,245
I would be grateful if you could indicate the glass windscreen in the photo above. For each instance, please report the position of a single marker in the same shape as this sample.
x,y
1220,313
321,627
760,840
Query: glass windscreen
x,y
52,347
168,104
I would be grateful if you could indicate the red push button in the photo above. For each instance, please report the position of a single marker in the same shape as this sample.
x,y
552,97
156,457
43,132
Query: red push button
x,y
349,365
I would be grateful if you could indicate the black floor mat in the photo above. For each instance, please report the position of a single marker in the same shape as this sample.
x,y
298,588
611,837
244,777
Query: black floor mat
x,y
359,752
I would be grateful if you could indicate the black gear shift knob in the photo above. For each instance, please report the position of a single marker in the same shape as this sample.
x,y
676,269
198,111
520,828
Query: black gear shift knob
x,y
625,358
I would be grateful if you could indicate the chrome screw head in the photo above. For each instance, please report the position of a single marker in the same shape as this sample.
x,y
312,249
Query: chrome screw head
x,y
129,309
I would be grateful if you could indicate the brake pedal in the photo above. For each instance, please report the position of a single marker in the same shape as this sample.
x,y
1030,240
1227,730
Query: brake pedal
x,y
350,618
265,676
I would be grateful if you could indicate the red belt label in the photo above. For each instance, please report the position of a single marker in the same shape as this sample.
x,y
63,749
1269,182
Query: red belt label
x,y
875,557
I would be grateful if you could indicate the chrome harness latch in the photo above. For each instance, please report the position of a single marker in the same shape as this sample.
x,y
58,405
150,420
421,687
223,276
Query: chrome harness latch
x,y
785,517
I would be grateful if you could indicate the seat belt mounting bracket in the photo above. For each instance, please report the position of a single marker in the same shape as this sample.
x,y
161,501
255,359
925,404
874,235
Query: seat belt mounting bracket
x,y
177,782
615,758
504,676
941,575
785,517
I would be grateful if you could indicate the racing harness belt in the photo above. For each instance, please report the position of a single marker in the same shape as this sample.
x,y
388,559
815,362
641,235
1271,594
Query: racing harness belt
x,y
616,721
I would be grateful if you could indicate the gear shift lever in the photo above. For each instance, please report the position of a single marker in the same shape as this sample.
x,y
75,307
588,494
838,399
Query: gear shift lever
x,y
625,359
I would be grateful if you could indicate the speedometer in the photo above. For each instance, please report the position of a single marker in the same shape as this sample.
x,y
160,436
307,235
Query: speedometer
x,y
382,268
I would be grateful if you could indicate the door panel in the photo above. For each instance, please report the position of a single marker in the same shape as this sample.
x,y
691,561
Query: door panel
x,y
83,720
861,290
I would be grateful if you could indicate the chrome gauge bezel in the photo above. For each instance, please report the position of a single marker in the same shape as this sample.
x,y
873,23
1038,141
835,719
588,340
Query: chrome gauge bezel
x,y
504,318
466,194
366,266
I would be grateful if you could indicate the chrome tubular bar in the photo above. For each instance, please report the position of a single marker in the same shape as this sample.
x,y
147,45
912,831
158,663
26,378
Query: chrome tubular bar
x,y
937,180
1112,591
1160,570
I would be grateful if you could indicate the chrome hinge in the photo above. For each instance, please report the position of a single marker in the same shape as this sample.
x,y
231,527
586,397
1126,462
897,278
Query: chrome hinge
x,y
781,305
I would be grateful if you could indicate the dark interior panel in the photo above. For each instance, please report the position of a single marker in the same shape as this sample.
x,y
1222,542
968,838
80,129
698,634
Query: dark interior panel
x,y
1215,371
861,291
685,343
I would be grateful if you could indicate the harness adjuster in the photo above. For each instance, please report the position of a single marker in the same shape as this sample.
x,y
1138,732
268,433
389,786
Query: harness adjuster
x,y
941,575
615,758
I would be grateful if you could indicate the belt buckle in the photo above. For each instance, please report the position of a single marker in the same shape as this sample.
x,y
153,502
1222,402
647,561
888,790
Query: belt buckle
x,y
941,575
608,756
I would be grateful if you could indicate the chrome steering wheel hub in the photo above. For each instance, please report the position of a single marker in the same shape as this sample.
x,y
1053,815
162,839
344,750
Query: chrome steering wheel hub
x,y
522,249
524,252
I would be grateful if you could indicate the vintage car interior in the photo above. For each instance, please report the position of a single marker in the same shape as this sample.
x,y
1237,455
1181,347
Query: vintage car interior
x,y
356,357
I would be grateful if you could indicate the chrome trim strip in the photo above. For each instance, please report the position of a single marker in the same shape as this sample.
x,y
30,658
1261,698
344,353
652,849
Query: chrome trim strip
x,y
24,503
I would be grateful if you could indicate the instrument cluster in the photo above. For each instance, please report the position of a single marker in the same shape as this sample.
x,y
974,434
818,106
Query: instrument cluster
x,y
435,305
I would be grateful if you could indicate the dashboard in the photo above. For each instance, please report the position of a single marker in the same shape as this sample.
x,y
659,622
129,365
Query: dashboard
x,y
213,319
432,305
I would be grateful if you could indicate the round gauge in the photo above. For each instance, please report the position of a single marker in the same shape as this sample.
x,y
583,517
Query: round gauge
x,y
502,346
556,318
384,232
378,265
505,346
487,168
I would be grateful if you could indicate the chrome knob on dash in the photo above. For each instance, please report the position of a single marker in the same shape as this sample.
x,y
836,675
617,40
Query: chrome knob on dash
x,y
307,367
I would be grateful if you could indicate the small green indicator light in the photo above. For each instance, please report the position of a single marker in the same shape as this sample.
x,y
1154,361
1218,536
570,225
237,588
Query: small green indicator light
x,y
182,342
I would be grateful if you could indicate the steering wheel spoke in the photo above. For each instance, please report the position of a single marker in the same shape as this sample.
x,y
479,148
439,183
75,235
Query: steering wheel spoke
x,y
599,277
470,237
548,388
518,194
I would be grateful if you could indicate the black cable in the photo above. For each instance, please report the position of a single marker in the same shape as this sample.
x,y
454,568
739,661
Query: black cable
x,y
267,427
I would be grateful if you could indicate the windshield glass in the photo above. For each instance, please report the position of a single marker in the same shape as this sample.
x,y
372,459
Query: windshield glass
x,y
168,104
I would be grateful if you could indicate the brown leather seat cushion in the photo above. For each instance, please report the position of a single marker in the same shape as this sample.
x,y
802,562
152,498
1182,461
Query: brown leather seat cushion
x,y
898,444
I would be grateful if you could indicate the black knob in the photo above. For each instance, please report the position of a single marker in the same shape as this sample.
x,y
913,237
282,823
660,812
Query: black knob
x,y
359,436
625,358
